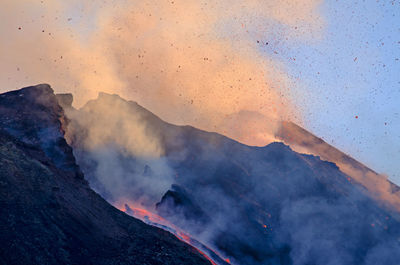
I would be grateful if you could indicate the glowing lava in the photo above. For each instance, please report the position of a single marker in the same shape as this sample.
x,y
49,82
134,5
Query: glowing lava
x,y
155,220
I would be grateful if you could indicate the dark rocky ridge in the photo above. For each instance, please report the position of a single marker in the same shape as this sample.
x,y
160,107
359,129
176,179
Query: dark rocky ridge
x,y
34,116
48,213
177,201
267,205
296,136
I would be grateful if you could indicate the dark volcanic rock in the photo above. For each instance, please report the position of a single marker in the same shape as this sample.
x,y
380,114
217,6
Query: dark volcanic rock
x,y
65,100
34,116
265,205
176,203
47,215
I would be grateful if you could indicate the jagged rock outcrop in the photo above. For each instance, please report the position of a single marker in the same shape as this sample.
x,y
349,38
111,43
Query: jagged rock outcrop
x,y
178,203
48,212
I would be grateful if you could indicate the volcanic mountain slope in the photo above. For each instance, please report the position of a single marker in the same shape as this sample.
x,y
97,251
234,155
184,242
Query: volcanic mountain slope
x,y
302,140
255,205
48,213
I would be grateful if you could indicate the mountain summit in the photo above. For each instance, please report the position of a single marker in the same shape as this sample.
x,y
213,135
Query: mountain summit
x,y
48,213
254,205
240,204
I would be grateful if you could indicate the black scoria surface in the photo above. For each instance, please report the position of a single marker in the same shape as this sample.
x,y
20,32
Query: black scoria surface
x,y
48,213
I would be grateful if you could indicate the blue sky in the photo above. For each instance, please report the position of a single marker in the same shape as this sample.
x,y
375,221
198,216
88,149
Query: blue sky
x,y
350,81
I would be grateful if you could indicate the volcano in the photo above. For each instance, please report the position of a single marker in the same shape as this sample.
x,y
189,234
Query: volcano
x,y
251,205
48,213
201,196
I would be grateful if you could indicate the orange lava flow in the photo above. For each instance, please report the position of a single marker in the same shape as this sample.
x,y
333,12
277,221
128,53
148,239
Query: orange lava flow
x,y
209,259
155,220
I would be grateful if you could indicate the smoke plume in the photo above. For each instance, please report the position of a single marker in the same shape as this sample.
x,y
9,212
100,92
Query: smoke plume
x,y
252,205
191,62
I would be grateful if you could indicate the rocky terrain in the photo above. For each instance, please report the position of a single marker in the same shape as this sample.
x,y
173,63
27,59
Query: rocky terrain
x,y
48,212
245,205
254,205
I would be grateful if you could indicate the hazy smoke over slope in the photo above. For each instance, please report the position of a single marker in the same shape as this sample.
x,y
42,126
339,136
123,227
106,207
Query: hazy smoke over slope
x,y
122,152
256,206
304,142
189,61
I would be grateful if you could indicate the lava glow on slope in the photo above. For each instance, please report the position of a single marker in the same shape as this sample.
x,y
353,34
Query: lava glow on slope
x,y
157,221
